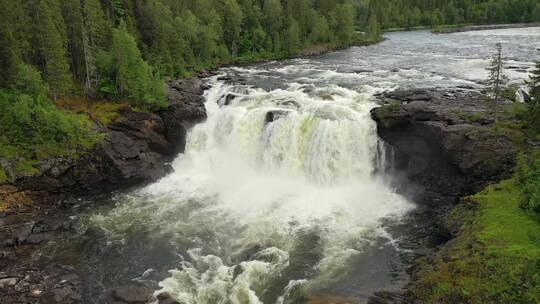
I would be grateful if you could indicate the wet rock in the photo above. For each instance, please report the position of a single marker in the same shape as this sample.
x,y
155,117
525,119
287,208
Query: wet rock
x,y
227,99
383,297
133,293
274,115
65,294
6,282
47,225
37,290
21,233
166,298
38,238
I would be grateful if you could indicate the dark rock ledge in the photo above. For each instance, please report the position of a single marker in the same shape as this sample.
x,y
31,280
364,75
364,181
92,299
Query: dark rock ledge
x,y
445,142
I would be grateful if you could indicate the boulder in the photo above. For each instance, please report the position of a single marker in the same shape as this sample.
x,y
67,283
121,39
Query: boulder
x,y
274,115
133,293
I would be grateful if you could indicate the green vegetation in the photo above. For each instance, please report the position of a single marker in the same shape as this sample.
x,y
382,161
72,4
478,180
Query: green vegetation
x,y
533,117
440,14
528,178
495,257
32,128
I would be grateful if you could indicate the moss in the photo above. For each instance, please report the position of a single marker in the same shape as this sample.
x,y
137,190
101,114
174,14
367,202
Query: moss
x,y
26,167
103,111
495,258
107,112
3,176
471,116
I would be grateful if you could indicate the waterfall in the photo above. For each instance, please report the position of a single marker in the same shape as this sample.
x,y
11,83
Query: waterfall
x,y
281,164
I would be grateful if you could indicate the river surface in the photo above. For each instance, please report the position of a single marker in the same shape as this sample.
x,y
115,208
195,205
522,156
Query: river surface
x,y
282,194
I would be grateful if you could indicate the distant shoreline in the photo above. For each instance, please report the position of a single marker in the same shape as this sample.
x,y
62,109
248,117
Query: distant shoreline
x,y
459,28
484,27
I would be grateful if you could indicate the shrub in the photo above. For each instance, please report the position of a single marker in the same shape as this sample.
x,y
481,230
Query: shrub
x,y
528,177
29,122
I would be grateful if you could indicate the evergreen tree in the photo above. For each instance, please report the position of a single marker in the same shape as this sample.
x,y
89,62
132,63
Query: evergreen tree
x,y
534,104
134,76
9,53
293,38
51,35
232,25
497,79
73,20
373,30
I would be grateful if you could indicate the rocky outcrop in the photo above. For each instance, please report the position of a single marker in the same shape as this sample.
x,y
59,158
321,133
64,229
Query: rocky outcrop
x,y
137,147
445,142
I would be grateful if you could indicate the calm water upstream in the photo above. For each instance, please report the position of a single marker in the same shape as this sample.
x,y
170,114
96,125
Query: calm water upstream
x,y
263,209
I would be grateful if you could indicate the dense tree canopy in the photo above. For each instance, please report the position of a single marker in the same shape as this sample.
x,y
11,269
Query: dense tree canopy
x,y
121,48
411,13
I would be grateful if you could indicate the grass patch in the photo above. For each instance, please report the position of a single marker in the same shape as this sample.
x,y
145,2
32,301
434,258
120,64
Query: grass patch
x,y
3,176
494,259
103,111
471,116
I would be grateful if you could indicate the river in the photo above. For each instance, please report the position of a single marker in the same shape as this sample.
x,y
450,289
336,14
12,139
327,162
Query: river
x,y
283,193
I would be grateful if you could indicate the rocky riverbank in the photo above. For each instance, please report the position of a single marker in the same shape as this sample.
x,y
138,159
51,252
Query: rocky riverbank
x,y
447,147
137,148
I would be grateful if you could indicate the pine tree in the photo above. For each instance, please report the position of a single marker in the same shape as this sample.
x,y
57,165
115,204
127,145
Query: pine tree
x,y
134,76
9,55
293,38
52,41
373,30
73,20
232,25
534,104
497,79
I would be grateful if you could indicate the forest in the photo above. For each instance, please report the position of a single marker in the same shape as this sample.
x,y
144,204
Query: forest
x,y
432,13
56,51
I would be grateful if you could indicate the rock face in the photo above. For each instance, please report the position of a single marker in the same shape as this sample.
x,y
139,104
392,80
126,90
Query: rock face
x,y
137,147
444,141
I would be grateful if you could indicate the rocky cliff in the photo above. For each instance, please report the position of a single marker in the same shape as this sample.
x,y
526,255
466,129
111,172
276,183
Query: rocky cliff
x,y
445,142
137,147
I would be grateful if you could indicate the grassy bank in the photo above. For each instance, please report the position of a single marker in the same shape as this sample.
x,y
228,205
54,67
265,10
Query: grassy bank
x,y
495,257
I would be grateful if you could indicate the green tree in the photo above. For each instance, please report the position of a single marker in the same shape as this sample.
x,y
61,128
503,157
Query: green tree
x,y
345,24
497,79
293,38
9,54
534,104
232,25
134,76
51,34
373,30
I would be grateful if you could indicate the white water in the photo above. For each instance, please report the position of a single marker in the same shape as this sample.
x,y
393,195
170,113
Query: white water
x,y
262,212
311,169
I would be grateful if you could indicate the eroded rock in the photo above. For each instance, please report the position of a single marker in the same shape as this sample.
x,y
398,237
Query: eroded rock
x,y
445,140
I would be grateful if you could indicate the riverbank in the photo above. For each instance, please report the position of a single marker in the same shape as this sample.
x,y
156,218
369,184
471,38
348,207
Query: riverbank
x,y
470,28
459,28
448,147
36,208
